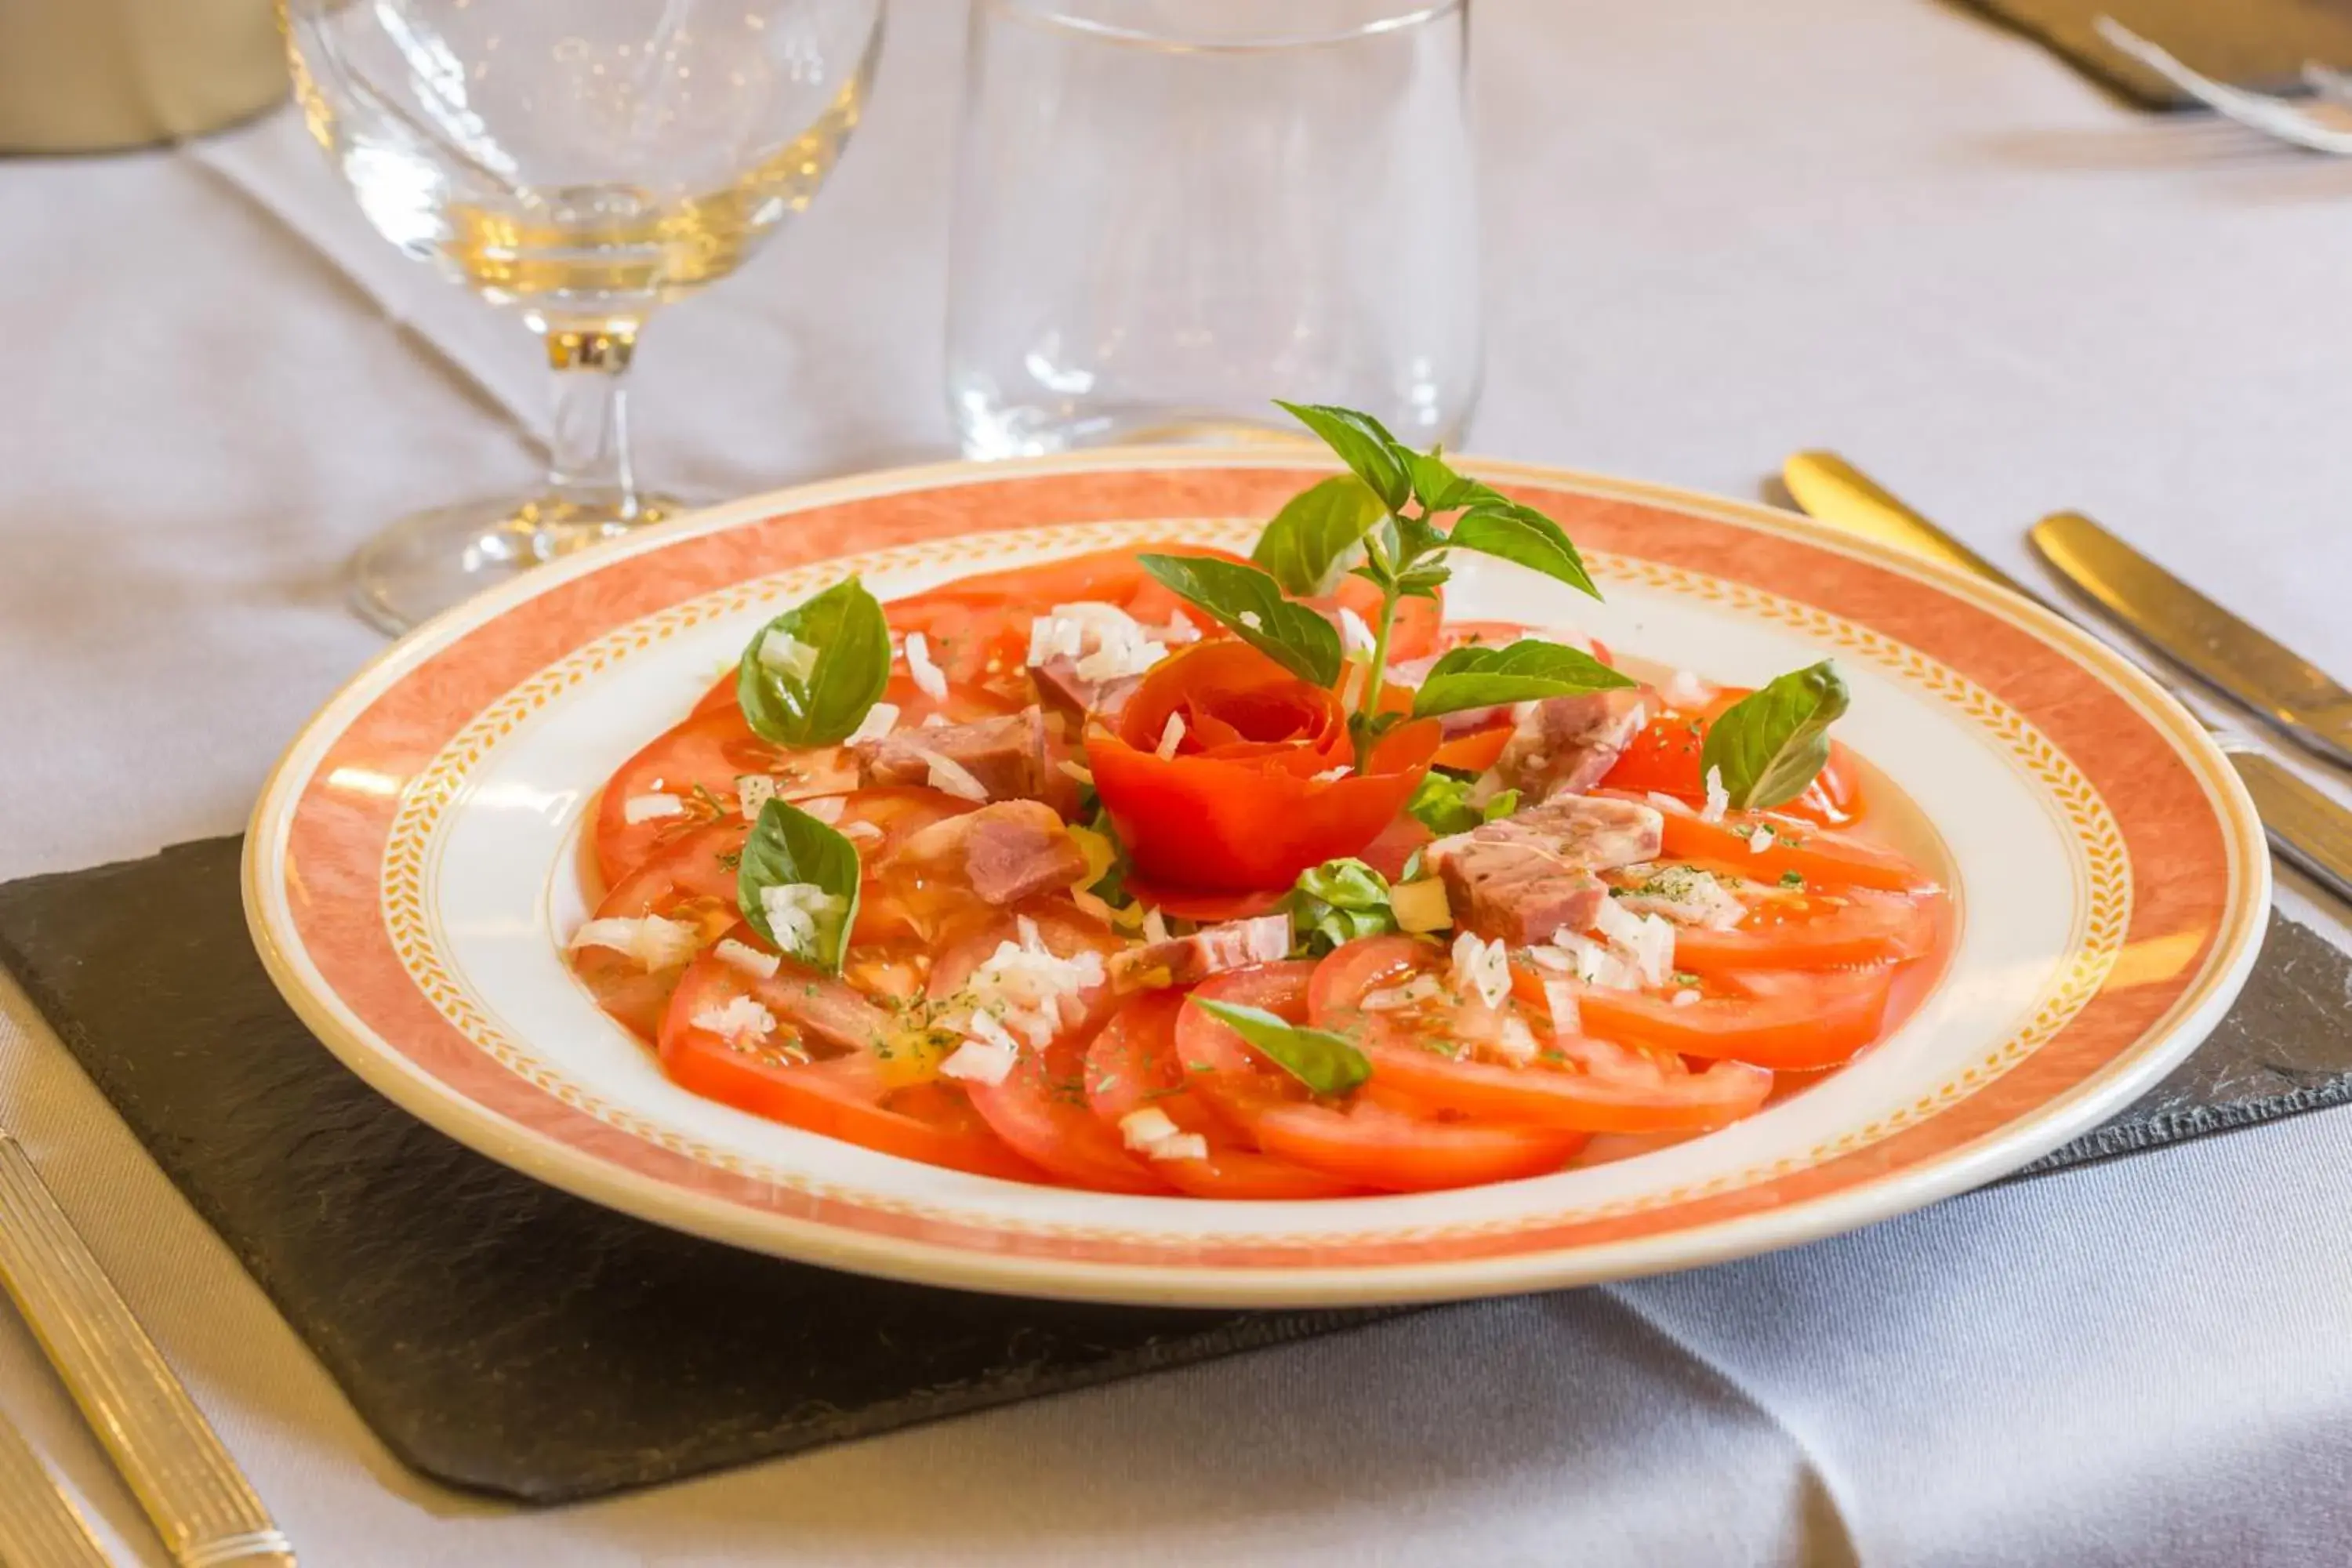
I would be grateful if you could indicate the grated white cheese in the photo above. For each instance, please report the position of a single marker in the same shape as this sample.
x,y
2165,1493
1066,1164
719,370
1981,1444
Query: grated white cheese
x,y
1663,801
754,790
1653,949
745,957
1155,926
1171,735
1481,966
1105,641
1139,1130
1355,637
879,720
1685,692
1685,997
800,913
1684,894
740,1017
945,773
1618,926
1023,984
1719,799
826,809
652,941
929,678
1150,1132
1252,619
649,807
1181,627
1389,998
1332,775
1761,840
1595,963
1560,1003
787,654
981,1061
1514,1042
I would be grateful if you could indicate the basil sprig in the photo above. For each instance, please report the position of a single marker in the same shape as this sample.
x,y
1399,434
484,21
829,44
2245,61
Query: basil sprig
x,y
1769,745
1313,536
1250,604
1324,1062
1337,902
822,704
790,848
1441,803
1525,671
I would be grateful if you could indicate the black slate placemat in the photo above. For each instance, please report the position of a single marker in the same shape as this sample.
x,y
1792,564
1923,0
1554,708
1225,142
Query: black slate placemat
x,y
2257,44
502,1336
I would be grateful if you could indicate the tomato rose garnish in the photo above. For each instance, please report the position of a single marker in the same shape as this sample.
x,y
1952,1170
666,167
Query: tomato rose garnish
x,y
1262,782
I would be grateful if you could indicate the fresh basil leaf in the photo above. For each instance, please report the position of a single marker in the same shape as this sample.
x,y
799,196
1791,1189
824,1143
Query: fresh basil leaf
x,y
1514,533
1311,537
1324,1062
1423,582
789,848
820,704
1528,671
1363,444
1442,804
1416,537
1249,604
1337,902
1769,745
1439,488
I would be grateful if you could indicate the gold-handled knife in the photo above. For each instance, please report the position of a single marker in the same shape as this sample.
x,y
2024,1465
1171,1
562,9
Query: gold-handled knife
x,y
2303,701
2304,824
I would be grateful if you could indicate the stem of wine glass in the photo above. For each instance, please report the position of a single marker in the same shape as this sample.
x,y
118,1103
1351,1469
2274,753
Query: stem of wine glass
x,y
590,479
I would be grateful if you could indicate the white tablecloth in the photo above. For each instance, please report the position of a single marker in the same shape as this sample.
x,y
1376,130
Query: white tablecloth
x,y
1717,232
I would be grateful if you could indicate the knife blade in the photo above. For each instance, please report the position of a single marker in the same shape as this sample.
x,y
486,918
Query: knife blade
x,y
2304,825
2300,700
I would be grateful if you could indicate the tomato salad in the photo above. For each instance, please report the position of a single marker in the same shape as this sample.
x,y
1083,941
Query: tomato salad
x,y
1167,872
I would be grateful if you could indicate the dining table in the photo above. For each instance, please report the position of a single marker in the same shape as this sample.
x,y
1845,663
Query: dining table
x,y
1712,234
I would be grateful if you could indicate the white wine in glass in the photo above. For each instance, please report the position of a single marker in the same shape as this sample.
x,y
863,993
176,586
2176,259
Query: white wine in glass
x,y
581,163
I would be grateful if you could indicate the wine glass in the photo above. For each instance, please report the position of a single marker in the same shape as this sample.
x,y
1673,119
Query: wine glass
x,y
582,162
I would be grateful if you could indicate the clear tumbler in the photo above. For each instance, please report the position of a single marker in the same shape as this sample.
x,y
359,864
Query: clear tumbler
x,y
1170,212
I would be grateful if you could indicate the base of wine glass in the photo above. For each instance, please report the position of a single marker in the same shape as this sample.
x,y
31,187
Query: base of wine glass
x,y
429,561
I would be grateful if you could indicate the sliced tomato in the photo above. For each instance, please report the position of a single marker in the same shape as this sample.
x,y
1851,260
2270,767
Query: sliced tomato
x,y
1666,757
1423,1053
1394,845
1377,1140
692,880
1386,1148
1783,1019
846,1095
1814,931
1132,1064
696,765
1102,577
1823,857
1040,1109
1476,752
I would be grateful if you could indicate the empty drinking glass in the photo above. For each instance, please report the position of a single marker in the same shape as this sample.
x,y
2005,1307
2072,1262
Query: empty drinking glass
x,y
582,162
1169,212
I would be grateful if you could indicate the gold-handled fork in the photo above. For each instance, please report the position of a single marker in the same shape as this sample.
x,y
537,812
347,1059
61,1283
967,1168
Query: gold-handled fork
x,y
2304,825
192,1490
39,1526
